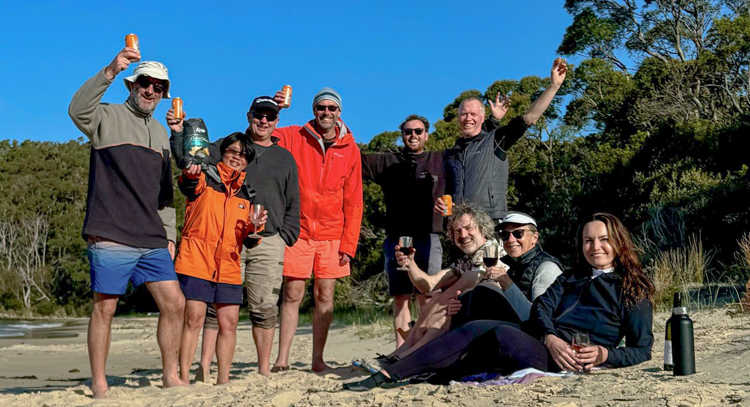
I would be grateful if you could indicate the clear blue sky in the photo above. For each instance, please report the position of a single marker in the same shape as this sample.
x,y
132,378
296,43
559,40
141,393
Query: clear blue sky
x,y
387,59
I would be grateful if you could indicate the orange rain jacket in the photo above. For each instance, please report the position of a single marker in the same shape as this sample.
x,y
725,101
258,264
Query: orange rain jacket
x,y
330,184
216,226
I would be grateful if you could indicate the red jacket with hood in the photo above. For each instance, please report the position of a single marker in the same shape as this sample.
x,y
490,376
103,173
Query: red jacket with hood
x,y
330,184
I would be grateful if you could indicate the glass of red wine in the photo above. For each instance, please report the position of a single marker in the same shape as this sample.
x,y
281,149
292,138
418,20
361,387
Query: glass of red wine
x,y
256,214
406,243
579,342
490,255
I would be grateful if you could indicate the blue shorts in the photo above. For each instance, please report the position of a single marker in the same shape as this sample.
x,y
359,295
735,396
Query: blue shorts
x,y
429,258
197,289
114,264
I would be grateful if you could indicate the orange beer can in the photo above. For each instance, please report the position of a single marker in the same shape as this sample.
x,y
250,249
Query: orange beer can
x,y
287,90
177,108
131,41
448,200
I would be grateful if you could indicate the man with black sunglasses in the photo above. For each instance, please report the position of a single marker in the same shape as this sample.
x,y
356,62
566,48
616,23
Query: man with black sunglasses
x,y
508,295
330,183
130,221
412,180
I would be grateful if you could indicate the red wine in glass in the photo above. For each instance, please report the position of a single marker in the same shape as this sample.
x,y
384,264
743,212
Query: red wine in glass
x,y
405,243
490,255
490,261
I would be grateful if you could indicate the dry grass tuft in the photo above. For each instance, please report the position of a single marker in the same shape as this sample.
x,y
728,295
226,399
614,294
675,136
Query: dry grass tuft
x,y
679,269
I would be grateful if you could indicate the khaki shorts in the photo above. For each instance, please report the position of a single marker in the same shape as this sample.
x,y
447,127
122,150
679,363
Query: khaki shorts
x,y
264,265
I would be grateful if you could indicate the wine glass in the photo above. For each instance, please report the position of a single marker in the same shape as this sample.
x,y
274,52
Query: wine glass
x,y
406,243
579,342
256,213
490,255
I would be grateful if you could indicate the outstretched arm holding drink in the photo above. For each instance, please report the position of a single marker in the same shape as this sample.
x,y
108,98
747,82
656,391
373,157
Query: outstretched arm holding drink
x,y
122,60
283,97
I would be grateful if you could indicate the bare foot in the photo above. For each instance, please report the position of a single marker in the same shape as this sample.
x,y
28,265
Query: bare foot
x,y
320,367
264,372
203,375
220,381
100,392
173,382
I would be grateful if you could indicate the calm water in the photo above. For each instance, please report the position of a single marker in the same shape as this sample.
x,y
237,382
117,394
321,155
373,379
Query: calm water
x,y
38,329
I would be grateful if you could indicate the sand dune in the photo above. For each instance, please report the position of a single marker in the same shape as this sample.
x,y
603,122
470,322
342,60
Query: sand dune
x,y
50,372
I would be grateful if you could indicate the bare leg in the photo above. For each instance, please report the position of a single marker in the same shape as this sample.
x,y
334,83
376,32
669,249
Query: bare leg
x,y
263,343
401,316
322,317
195,315
429,335
208,347
431,316
422,302
98,339
228,316
171,303
294,292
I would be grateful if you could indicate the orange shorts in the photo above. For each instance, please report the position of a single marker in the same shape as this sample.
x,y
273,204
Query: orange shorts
x,y
313,256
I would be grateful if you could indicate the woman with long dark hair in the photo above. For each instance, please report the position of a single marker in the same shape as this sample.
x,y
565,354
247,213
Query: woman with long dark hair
x,y
607,295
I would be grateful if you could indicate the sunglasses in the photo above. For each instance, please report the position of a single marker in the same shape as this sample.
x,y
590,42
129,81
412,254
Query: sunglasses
x,y
269,116
145,83
418,132
518,234
322,108
235,153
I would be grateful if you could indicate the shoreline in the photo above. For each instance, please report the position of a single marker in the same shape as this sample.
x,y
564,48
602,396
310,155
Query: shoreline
x,y
60,372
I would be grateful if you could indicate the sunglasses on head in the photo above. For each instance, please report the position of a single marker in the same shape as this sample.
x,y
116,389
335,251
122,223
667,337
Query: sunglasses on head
x,y
322,108
418,132
143,82
269,116
518,234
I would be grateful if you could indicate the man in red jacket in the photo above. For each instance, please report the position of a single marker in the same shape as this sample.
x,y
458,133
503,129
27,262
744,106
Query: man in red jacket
x,y
330,188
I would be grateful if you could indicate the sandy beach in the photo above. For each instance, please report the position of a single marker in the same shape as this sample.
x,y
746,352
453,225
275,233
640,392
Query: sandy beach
x,y
53,372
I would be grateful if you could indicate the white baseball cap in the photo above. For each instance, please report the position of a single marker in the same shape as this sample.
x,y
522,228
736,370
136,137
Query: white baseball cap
x,y
519,218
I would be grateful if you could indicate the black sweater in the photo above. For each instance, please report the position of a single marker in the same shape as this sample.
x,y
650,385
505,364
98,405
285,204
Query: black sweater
x,y
577,303
411,184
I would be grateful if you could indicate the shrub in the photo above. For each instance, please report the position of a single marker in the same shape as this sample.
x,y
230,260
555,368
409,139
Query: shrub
x,y
679,269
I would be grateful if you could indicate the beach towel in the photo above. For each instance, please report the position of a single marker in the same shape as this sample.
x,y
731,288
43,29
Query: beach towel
x,y
522,376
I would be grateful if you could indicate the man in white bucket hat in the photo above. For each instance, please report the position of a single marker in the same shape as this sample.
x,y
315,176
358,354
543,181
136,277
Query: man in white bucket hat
x,y
130,224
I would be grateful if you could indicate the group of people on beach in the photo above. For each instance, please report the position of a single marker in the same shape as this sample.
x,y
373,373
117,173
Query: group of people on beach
x,y
518,310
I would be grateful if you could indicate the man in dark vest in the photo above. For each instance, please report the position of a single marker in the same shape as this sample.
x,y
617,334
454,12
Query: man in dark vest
x,y
507,294
477,168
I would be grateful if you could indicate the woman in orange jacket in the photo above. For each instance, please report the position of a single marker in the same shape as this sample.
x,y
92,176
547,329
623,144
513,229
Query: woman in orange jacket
x,y
208,266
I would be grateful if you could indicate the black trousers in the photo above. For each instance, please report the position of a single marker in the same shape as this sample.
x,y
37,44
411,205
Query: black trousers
x,y
485,301
475,347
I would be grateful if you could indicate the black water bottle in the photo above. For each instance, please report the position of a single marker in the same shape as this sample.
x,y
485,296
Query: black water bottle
x,y
681,329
